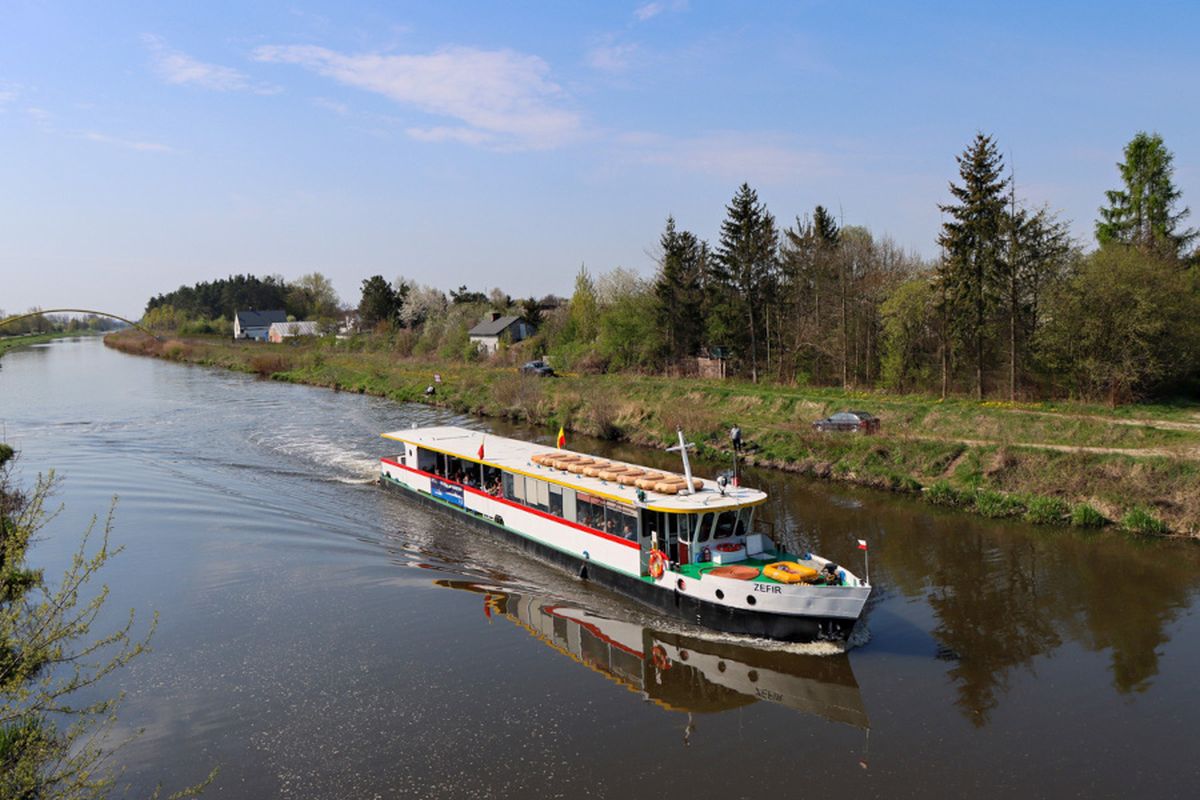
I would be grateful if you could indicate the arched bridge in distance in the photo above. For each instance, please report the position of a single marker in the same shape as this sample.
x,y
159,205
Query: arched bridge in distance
x,y
45,311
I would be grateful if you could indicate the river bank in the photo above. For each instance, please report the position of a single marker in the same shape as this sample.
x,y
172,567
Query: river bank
x,y
1058,464
12,342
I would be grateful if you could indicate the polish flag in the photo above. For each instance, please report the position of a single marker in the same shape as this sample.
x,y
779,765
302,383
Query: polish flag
x,y
862,544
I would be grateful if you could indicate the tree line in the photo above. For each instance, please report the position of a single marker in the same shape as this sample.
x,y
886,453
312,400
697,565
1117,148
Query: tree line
x,y
1012,306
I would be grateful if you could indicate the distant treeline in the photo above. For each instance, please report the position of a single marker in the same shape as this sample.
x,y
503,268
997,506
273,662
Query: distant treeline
x,y
1012,306
56,323
209,306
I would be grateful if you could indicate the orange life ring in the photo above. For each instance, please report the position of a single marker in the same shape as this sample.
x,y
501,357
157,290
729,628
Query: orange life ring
x,y
658,563
729,547
659,654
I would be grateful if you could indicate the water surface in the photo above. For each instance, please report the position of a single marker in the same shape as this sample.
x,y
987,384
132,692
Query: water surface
x,y
319,637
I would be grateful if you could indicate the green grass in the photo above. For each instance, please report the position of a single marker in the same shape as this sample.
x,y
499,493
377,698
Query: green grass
x,y
972,456
1140,520
1085,516
1047,511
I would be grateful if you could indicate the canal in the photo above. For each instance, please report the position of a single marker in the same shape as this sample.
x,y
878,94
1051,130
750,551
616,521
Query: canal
x,y
319,637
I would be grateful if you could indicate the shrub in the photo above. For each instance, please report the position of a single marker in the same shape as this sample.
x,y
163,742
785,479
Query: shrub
x,y
997,504
1047,511
520,397
267,364
602,413
1084,516
1140,520
175,350
941,493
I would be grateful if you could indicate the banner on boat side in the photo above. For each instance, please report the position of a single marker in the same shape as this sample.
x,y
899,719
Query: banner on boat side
x,y
448,492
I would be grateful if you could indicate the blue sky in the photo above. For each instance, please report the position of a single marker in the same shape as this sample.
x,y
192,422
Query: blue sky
x,y
146,145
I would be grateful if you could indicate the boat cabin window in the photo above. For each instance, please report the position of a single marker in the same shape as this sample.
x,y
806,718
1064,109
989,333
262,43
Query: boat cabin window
x,y
568,503
589,511
556,500
514,487
491,481
683,522
704,528
744,521
726,524
620,520
427,460
537,494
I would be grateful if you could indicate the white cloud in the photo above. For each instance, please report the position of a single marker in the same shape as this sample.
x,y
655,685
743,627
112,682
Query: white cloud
x,y
145,147
341,109
464,135
648,10
7,95
176,67
505,98
612,58
730,155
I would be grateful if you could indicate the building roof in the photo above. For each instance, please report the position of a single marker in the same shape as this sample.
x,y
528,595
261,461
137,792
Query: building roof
x,y
515,456
294,328
260,319
493,327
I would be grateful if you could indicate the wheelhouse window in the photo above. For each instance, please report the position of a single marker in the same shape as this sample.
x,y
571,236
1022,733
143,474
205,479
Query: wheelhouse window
x,y
704,528
726,524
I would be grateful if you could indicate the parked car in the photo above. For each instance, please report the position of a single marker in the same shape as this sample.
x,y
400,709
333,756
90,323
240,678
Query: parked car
x,y
538,368
849,421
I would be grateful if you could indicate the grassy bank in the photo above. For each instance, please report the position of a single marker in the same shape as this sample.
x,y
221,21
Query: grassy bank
x,y
1137,467
13,342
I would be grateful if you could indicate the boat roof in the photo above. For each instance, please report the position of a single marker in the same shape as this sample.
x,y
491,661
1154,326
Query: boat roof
x,y
516,456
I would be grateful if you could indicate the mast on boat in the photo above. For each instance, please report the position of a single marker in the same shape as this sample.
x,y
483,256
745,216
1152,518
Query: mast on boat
x,y
682,447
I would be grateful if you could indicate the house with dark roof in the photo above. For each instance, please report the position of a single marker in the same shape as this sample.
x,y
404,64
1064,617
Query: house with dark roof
x,y
255,324
488,333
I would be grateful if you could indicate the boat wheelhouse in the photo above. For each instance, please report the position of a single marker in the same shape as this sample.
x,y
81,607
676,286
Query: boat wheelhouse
x,y
690,546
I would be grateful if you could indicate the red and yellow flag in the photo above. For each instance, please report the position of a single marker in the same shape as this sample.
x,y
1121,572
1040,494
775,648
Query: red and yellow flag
x,y
562,436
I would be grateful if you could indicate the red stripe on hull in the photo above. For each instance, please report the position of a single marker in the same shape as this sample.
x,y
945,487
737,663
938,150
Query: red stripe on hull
x,y
508,502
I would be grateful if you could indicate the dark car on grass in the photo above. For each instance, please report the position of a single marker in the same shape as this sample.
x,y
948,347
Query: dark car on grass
x,y
538,368
849,421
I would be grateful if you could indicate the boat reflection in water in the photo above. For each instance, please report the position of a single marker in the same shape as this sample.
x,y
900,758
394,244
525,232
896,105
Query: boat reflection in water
x,y
681,672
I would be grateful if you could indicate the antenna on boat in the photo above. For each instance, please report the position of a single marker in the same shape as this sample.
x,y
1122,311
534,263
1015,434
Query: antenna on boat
x,y
682,447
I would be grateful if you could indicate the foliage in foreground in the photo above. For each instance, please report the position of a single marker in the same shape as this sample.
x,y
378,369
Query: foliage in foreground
x,y
52,745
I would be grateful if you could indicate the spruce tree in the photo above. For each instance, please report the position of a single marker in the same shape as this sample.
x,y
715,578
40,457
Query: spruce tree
x,y
1142,214
973,242
747,260
679,291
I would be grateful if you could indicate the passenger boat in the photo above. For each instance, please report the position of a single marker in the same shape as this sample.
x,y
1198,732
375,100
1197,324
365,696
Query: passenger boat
x,y
689,546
